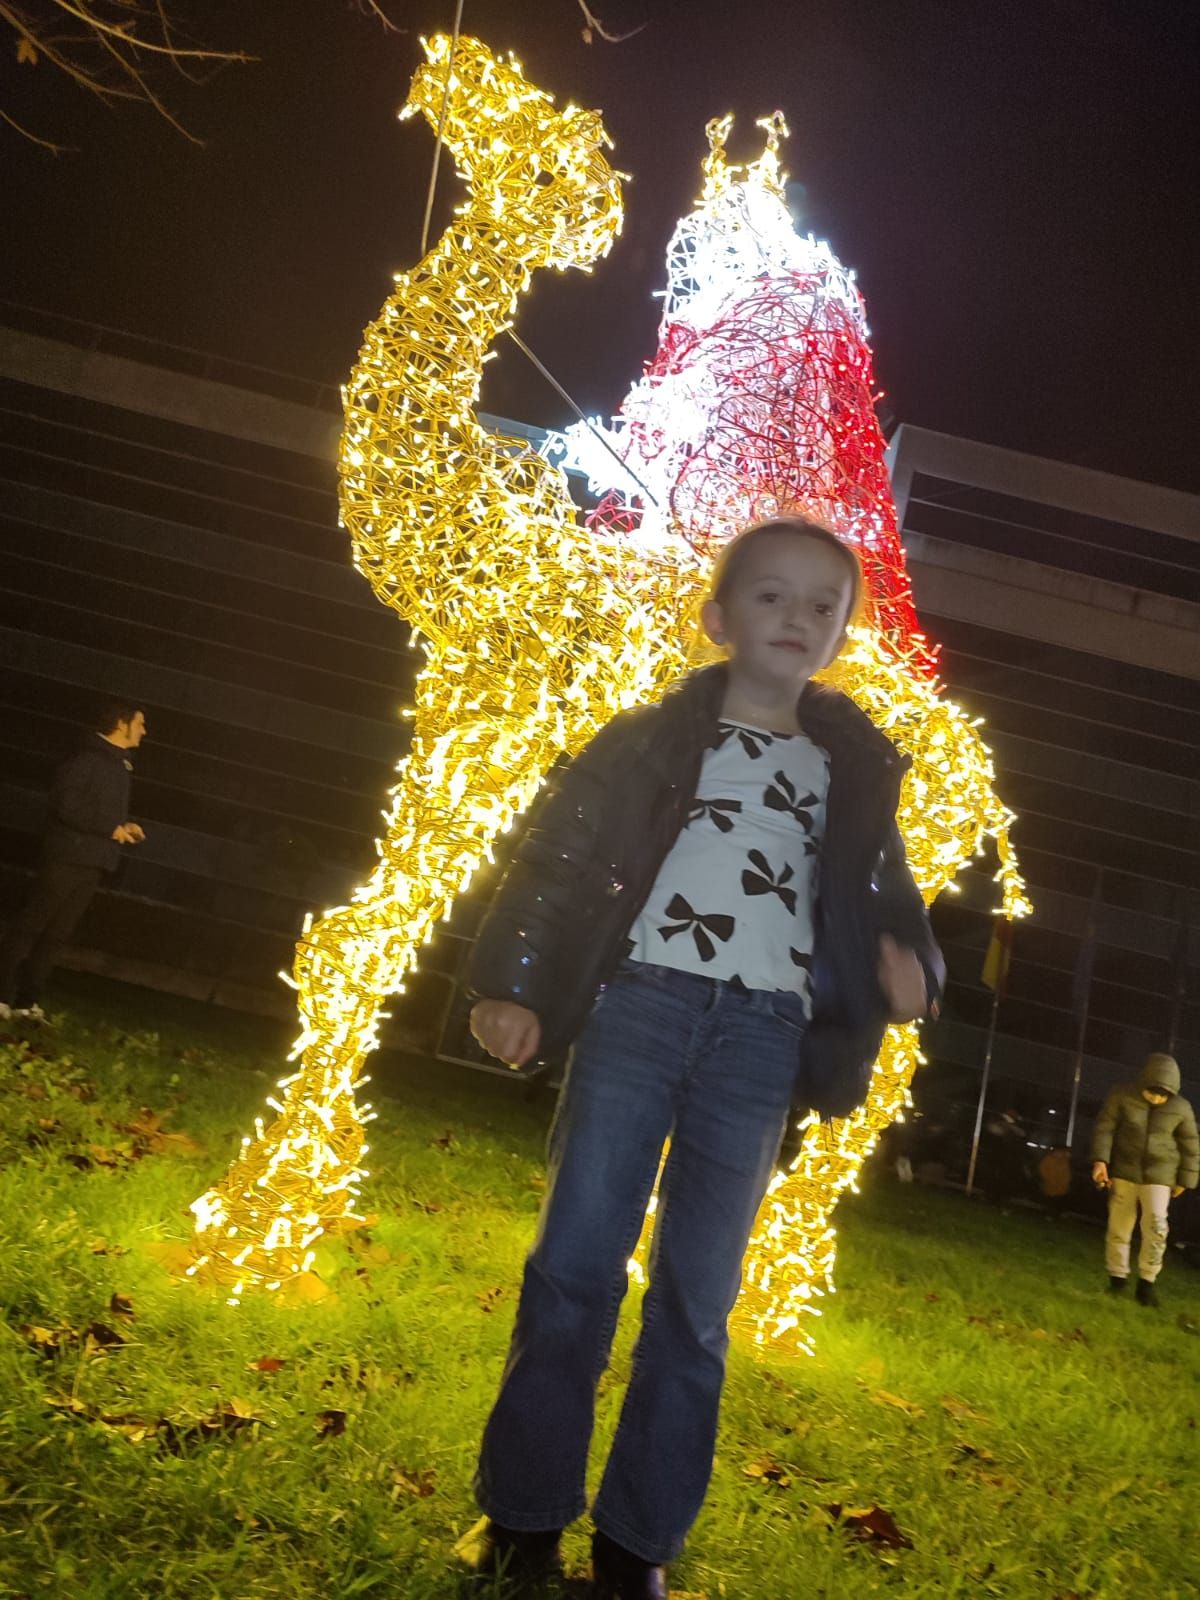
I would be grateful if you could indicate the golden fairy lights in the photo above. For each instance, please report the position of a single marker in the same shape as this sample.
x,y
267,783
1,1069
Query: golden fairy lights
x,y
536,631
534,634
948,806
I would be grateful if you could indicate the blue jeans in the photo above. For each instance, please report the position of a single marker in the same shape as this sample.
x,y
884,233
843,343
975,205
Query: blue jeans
x,y
713,1067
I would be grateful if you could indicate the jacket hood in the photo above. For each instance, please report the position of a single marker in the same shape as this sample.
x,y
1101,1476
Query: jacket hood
x,y
1160,1071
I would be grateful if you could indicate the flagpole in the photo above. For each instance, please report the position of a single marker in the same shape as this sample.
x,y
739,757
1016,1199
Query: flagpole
x,y
983,1087
1083,1022
1081,995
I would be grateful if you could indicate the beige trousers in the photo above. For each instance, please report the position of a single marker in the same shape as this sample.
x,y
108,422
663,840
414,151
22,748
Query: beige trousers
x,y
1123,1202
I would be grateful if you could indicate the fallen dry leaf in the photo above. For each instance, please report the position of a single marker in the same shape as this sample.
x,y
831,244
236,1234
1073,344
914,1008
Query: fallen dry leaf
x,y
970,1452
267,1364
71,1404
882,1398
233,1417
330,1424
98,1336
121,1306
103,1155
767,1470
418,1483
961,1410
47,1341
101,1247
871,1524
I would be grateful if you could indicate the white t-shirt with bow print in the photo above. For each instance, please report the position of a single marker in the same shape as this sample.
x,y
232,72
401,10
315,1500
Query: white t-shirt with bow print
x,y
734,898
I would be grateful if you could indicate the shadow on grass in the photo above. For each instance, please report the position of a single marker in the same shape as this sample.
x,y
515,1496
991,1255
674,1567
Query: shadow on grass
x,y
548,1586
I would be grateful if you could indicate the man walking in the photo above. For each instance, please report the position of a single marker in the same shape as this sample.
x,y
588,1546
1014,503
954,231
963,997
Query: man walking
x,y
88,825
1145,1152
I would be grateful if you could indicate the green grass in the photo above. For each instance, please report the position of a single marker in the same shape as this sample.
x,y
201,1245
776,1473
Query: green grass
x,y
1031,1437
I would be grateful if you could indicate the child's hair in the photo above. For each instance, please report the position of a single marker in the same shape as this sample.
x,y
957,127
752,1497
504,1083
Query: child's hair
x,y
733,556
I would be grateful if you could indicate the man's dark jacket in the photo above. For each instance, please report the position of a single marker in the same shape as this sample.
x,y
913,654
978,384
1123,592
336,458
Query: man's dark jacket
x,y
560,920
89,798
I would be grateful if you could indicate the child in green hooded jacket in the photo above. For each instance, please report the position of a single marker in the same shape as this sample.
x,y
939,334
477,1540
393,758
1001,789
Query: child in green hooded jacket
x,y
1145,1151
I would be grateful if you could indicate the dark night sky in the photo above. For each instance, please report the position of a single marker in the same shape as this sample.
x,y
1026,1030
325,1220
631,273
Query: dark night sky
x,y
1014,183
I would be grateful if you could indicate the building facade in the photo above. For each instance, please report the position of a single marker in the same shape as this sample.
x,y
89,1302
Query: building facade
x,y
170,533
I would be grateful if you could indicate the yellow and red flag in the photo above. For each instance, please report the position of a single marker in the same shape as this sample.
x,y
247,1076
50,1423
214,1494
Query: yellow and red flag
x,y
999,955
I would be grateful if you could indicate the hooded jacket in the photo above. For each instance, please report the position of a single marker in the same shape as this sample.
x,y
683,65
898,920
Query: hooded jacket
x,y
1144,1143
89,798
560,920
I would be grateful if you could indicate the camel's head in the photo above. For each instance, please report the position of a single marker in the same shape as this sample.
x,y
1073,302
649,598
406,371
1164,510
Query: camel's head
x,y
537,174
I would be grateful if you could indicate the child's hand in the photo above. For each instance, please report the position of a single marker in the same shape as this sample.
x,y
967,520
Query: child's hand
x,y
902,979
506,1030
1100,1174
1176,1191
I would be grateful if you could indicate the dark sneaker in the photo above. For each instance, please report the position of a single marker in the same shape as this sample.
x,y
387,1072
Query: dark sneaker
x,y
1116,1285
619,1575
1147,1294
489,1550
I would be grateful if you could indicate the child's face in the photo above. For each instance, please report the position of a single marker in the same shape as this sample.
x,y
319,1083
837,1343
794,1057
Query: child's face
x,y
785,615
1155,1097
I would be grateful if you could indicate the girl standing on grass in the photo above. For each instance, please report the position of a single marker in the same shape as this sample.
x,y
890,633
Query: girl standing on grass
x,y
662,912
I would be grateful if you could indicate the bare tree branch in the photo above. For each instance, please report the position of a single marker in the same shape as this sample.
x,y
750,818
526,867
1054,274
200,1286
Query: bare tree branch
x,y
118,49
593,25
374,8
126,33
27,133
107,48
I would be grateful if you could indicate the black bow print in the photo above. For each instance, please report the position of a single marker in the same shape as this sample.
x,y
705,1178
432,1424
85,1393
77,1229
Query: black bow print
x,y
764,881
799,959
782,796
752,742
720,927
718,812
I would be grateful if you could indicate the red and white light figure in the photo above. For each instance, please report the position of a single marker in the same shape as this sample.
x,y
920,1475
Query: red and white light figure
x,y
759,399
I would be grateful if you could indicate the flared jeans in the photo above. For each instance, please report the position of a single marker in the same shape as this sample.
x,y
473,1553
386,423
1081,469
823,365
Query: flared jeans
x,y
711,1066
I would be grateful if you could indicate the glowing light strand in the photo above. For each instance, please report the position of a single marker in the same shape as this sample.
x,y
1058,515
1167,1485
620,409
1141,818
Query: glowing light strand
x,y
535,632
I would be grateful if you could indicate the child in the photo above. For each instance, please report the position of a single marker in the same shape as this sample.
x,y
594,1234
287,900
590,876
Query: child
x,y
1145,1152
662,913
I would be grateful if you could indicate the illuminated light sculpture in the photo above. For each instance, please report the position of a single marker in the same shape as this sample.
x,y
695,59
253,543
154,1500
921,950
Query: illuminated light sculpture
x,y
535,633
760,397
536,630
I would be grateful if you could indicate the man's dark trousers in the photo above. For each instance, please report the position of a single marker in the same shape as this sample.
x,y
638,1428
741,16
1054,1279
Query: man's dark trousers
x,y
60,896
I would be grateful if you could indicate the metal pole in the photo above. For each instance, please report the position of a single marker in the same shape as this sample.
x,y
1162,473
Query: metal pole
x,y
1083,1022
983,1088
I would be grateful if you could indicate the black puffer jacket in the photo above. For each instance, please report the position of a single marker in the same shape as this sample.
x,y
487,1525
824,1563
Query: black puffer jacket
x,y
90,798
560,919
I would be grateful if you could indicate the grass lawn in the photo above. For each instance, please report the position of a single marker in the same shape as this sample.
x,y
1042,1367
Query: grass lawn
x,y
1028,1434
